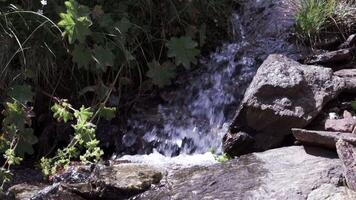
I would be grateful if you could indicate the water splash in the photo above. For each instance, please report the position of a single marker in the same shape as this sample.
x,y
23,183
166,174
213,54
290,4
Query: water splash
x,y
196,116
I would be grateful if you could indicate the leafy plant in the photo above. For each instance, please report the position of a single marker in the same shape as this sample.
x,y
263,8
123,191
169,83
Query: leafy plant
x,y
84,139
16,138
184,51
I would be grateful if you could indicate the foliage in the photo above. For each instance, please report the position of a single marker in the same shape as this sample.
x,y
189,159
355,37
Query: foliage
x,y
314,14
66,48
222,158
323,19
16,138
84,138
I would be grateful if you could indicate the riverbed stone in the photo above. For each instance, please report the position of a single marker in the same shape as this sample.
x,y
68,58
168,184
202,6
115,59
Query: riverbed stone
x,y
119,181
285,173
347,153
284,94
326,139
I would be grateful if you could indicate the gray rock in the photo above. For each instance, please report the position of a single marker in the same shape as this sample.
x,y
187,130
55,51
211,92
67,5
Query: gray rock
x,y
286,173
26,191
331,192
23,191
347,153
326,139
349,75
330,57
119,181
284,94
343,125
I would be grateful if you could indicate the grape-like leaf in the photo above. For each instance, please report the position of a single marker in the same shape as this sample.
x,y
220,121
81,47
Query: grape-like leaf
x,y
75,21
161,75
107,113
103,58
61,113
21,93
81,56
184,51
26,142
83,114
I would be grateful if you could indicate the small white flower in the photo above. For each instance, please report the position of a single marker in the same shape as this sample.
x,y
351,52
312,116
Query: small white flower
x,y
44,2
40,11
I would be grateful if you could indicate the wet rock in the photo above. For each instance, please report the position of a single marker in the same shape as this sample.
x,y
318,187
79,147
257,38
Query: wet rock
x,y
347,124
286,173
330,57
326,139
119,181
349,75
284,94
347,153
350,42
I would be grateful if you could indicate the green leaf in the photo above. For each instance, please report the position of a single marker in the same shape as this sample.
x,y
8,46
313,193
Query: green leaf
x,y
61,112
26,142
103,58
353,105
123,26
161,75
183,50
21,93
75,21
81,56
107,113
84,114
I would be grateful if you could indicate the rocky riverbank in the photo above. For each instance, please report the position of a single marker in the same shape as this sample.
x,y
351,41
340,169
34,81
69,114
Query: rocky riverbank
x,y
293,135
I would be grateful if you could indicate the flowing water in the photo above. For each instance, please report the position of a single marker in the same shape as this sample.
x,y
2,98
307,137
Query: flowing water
x,y
196,116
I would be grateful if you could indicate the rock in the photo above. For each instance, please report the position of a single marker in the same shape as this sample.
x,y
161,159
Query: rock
x,y
119,181
347,124
329,191
330,57
23,191
350,42
347,153
349,75
321,138
284,94
286,173
27,191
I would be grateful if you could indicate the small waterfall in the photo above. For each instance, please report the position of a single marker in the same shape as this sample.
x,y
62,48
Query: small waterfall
x,y
195,117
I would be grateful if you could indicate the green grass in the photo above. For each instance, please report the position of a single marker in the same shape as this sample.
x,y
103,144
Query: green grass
x,y
313,15
317,20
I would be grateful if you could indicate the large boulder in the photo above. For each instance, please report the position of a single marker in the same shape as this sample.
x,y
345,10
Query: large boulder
x,y
295,172
284,94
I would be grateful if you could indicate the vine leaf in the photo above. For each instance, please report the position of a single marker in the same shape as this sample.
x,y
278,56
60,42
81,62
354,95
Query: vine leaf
x,y
184,51
81,56
27,140
103,57
83,114
161,75
75,21
107,113
21,93
61,112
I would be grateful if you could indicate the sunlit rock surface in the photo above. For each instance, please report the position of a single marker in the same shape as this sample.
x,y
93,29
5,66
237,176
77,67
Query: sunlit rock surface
x,y
294,173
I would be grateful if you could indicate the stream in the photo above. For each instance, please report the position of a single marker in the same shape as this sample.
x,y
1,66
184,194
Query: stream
x,y
195,116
